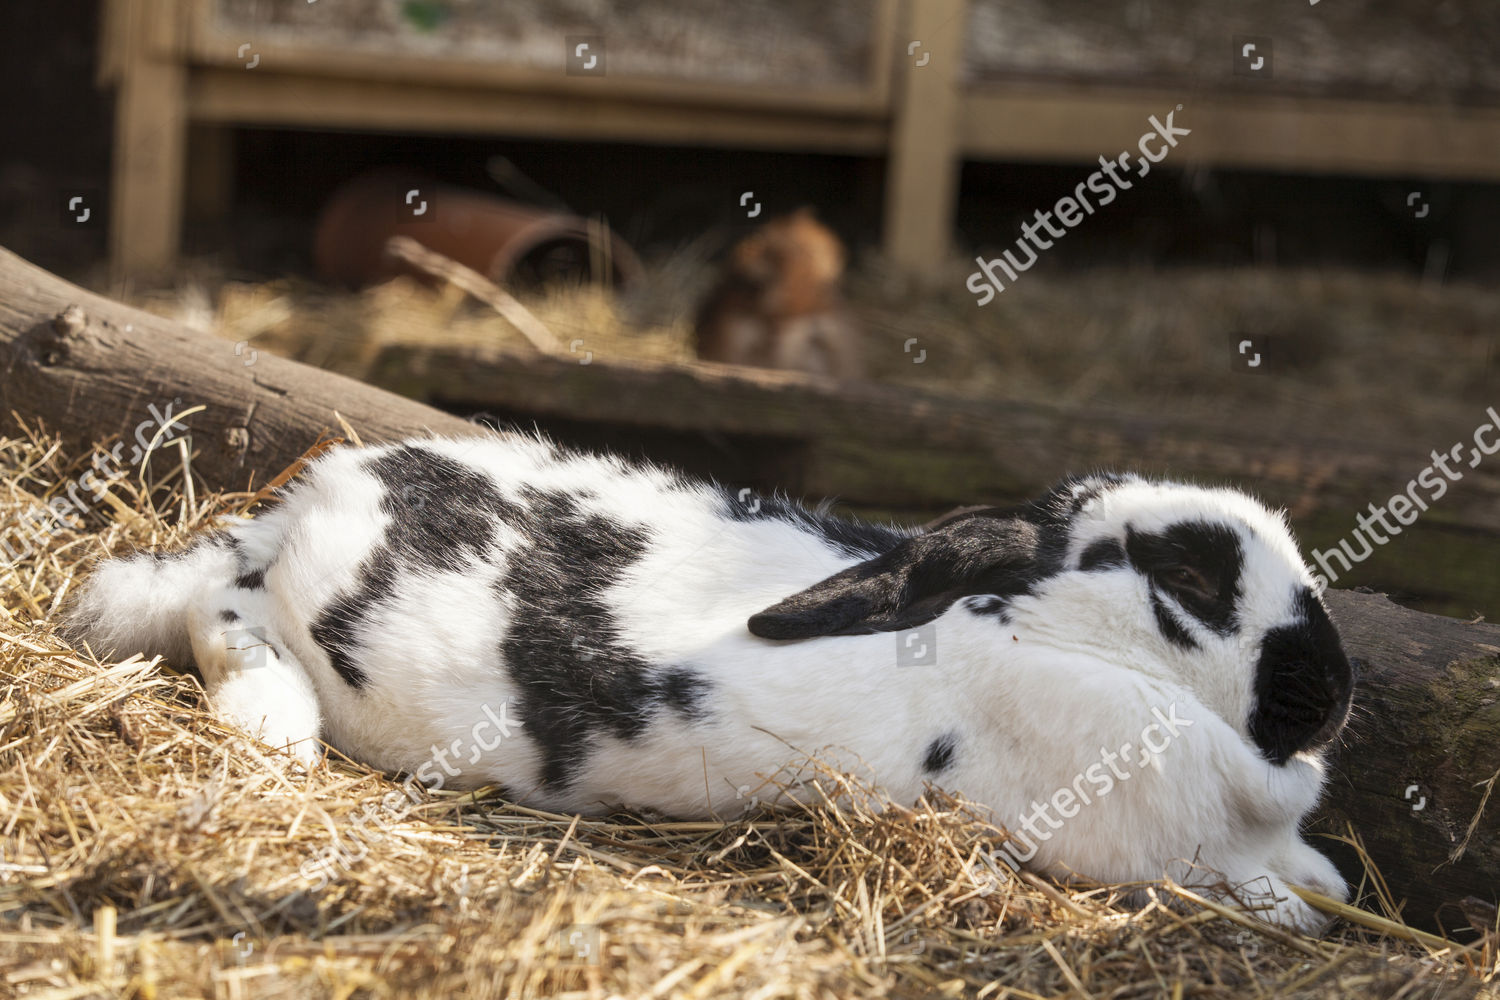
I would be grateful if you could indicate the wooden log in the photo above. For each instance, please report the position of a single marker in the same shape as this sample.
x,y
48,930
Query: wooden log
x,y
1413,771
90,368
1428,698
997,449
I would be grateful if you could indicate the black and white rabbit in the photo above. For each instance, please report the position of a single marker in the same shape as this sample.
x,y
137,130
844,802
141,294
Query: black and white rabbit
x,y
622,634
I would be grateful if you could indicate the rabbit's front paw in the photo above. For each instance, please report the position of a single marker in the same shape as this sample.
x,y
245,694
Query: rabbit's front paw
x,y
1307,868
1292,913
1271,899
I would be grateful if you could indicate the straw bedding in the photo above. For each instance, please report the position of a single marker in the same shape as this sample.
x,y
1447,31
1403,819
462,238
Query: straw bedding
x,y
149,851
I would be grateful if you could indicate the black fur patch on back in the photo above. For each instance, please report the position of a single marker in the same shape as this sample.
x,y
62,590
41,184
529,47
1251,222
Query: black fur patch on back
x,y
442,514
684,691
579,679
337,627
254,579
857,539
940,753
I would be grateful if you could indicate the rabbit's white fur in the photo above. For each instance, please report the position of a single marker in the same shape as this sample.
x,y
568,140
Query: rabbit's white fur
x,y
400,600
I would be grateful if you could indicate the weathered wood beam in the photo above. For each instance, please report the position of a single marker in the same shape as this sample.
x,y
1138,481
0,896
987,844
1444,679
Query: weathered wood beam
x,y
90,368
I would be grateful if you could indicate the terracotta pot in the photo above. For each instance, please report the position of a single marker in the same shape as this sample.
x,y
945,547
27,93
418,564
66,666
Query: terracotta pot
x,y
509,242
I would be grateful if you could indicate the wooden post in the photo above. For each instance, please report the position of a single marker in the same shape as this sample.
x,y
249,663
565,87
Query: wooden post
x,y
210,173
150,134
922,179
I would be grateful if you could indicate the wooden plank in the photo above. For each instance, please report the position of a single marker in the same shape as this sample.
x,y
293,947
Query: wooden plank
x,y
150,136
1075,123
922,178
213,46
241,97
166,29
113,42
883,46
210,177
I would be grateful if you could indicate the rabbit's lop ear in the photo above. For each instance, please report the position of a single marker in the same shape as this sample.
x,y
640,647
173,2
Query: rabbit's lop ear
x,y
976,553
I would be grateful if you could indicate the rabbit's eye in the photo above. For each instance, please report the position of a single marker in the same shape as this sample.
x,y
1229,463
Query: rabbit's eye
x,y
1187,578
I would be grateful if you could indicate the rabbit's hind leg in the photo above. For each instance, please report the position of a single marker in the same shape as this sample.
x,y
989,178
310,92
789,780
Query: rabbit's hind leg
x,y
252,679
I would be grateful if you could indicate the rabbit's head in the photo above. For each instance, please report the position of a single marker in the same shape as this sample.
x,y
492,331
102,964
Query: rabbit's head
x,y
1198,587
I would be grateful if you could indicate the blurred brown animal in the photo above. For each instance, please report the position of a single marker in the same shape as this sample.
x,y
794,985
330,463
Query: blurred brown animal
x,y
778,304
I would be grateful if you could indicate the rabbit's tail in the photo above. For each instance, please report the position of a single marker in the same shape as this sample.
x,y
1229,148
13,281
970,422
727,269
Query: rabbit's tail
x,y
140,604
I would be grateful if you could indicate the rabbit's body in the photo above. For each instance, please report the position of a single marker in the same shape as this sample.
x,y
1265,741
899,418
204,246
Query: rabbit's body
x,y
498,611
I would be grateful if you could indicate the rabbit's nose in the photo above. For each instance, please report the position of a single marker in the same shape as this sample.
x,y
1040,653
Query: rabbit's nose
x,y
1303,688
